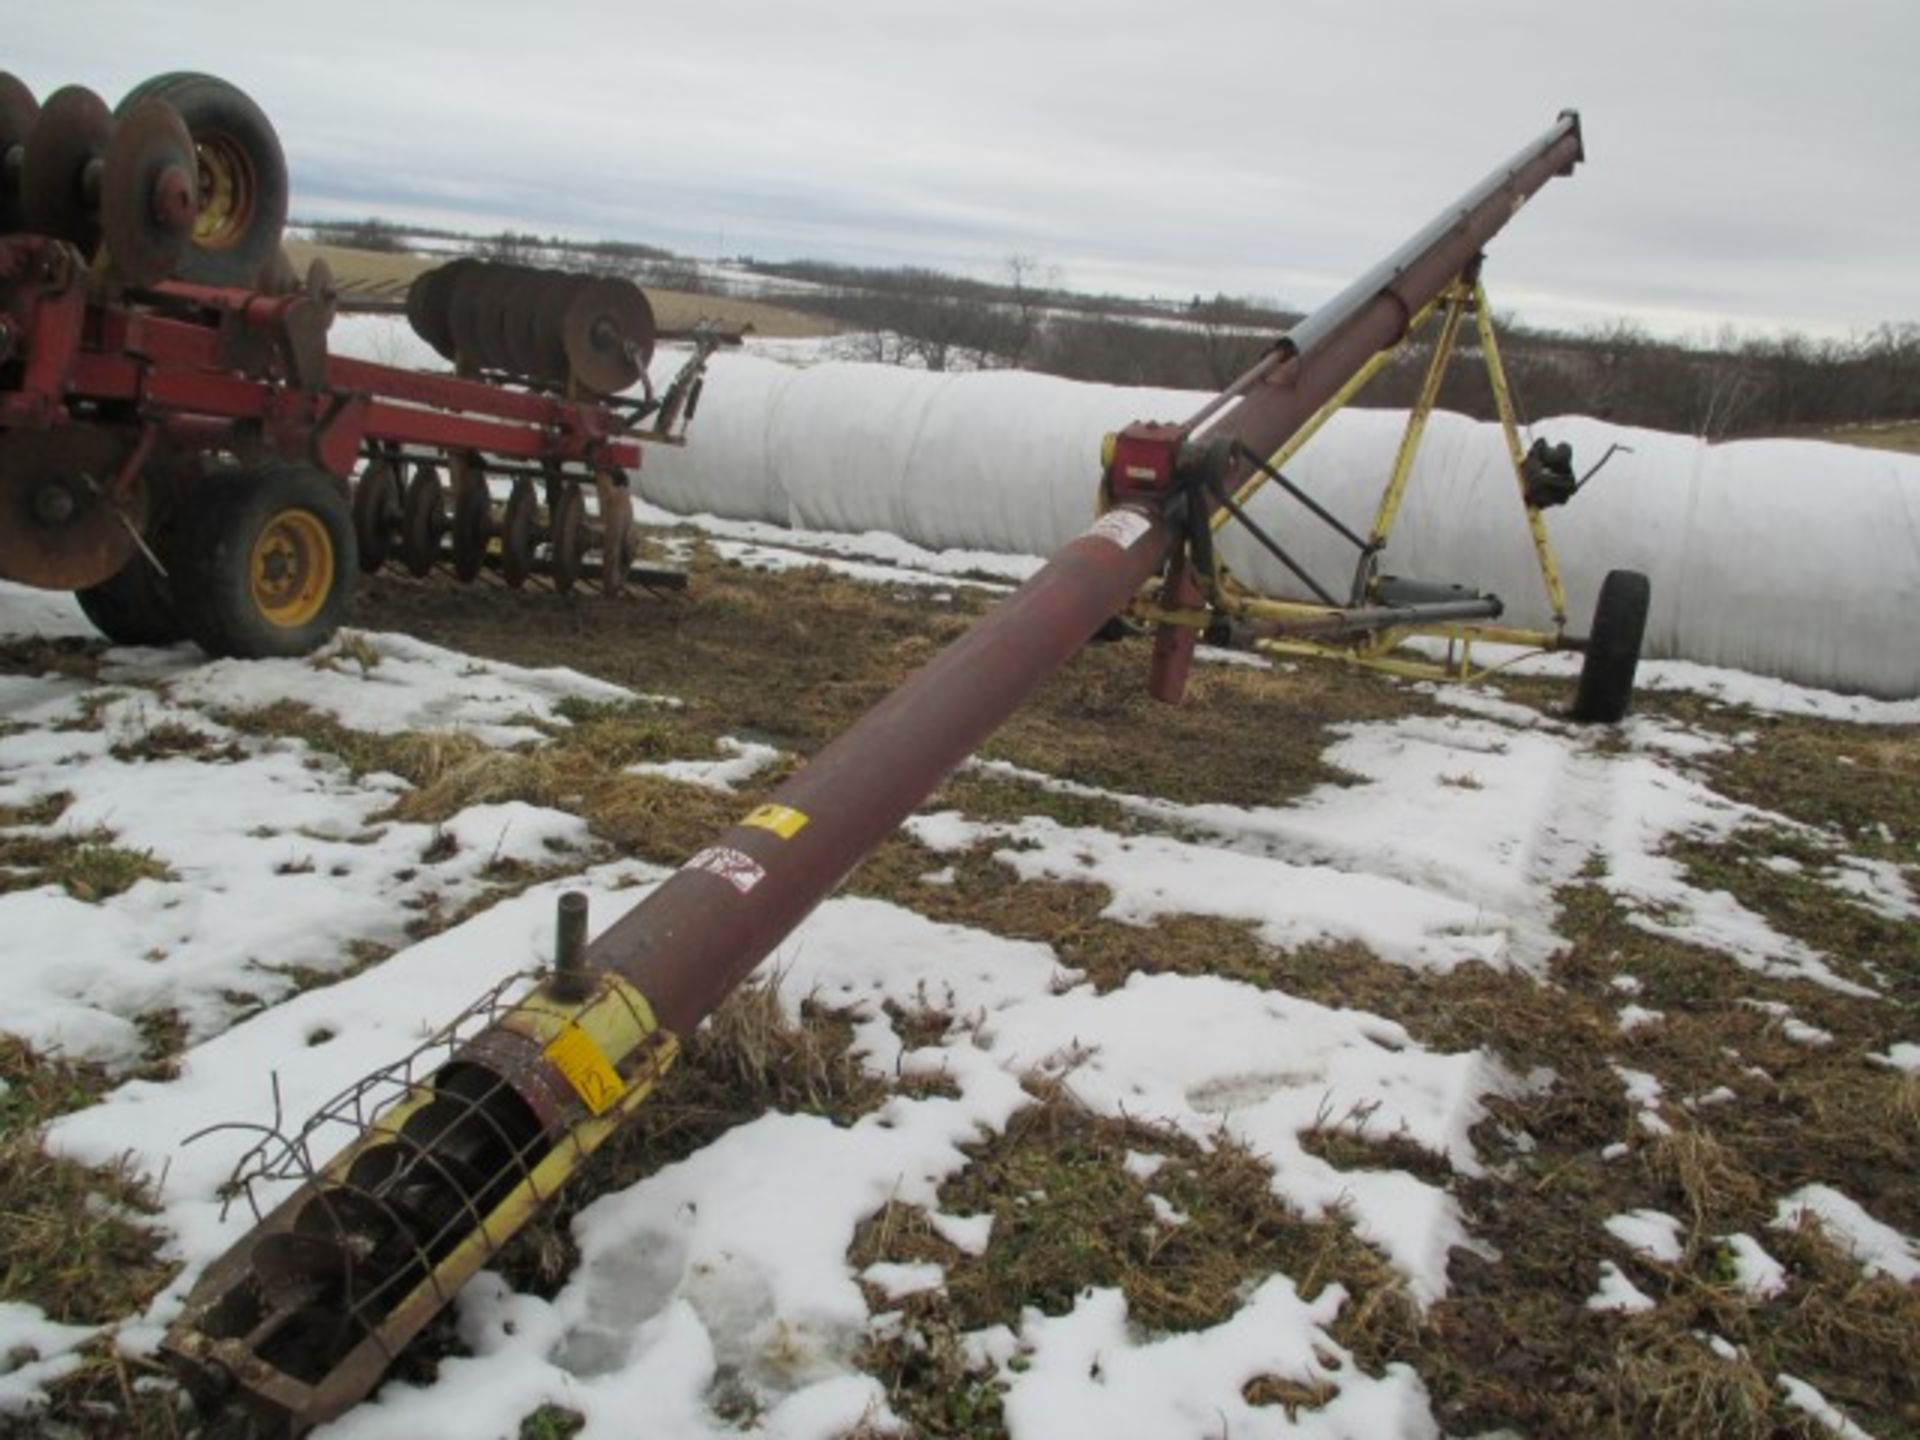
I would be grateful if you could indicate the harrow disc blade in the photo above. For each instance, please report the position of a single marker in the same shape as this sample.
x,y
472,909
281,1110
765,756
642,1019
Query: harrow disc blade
x,y
550,307
469,305
517,532
616,533
376,513
569,538
512,324
490,300
427,304
148,195
60,179
472,517
423,519
58,528
18,111
608,332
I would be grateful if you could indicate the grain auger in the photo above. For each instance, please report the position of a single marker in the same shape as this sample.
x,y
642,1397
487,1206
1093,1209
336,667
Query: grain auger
x,y
394,1194
177,438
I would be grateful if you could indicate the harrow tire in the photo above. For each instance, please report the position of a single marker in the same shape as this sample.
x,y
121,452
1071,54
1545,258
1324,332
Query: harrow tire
x,y
266,561
133,606
1613,649
242,183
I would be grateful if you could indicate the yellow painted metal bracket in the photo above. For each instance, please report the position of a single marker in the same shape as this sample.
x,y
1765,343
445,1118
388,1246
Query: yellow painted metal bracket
x,y
1292,624
1503,404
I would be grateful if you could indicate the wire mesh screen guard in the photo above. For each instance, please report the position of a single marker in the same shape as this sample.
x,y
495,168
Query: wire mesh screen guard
x,y
408,1181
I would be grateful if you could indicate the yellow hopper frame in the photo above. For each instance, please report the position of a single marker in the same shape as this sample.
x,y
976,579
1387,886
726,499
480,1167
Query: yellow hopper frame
x,y
1370,630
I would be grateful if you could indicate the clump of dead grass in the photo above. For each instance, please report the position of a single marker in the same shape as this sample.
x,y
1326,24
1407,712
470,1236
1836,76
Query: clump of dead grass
x,y
40,655
1663,1382
1709,1177
72,1237
172,739
86,864
43,810
1067,1215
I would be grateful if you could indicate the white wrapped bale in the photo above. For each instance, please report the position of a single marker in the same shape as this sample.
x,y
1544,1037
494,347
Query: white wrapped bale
x,y
1791,558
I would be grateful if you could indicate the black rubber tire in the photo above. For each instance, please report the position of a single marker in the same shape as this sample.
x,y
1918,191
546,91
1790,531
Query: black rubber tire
x,y
134,607
222,115
1613,649
224,519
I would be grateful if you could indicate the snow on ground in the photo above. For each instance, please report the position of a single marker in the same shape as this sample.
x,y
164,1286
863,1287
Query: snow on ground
x,y
1451,849
749,758
1617,1293
1880,1249
872,553
733,1261
1830,1417
1651,1234
270,863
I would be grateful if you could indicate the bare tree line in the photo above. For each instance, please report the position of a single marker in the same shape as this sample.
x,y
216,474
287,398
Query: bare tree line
x,y
1730,387
909,315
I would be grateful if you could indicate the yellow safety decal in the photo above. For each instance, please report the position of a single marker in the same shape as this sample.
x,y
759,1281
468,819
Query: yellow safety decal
x,y
782,820
577,1056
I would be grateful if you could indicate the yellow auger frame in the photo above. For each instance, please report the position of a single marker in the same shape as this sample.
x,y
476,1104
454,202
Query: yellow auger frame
x,y
1297,628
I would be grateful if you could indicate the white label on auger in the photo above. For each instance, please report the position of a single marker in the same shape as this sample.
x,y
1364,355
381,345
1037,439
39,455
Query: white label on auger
x,y
739,870
1122,527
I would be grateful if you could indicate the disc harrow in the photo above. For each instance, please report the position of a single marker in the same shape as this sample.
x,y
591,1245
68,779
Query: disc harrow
x,y
167,396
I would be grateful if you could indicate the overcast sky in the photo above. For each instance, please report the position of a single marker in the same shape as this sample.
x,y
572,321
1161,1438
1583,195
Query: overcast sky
x,y
1752,162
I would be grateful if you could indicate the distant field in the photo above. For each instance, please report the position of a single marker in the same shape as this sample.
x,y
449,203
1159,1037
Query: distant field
x,y
1904,436
388,273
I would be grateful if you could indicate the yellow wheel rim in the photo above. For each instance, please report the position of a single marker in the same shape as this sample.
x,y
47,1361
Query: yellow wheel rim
x,y
227,190
291,571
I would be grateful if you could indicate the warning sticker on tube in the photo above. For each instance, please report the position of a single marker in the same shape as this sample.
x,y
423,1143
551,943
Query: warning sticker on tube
x,y
1122,527
782,820
580,1059
737,868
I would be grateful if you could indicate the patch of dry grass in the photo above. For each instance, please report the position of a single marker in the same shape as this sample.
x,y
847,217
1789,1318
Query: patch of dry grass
x,y
71,656
86,864
1068,1215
